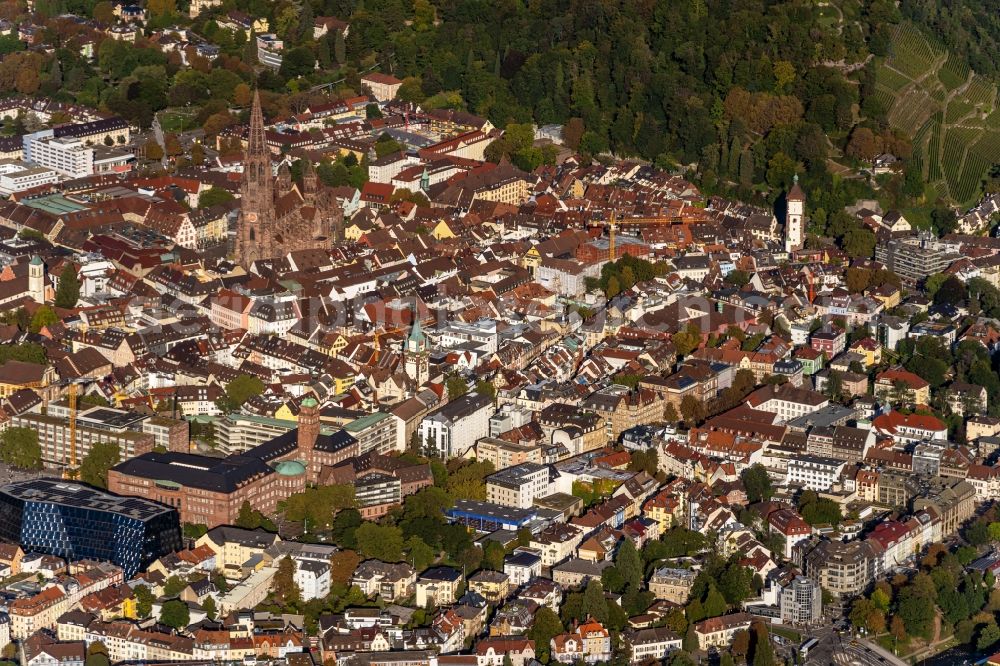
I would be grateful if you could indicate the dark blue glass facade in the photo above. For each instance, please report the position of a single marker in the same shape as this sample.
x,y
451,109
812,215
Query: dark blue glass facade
x,y
129,532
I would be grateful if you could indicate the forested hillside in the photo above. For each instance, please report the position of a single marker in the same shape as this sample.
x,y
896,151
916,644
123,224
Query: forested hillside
x,y
744,92
749,90
970,28
649,78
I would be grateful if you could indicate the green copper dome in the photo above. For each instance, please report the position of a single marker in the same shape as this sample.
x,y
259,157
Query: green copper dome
x,y
290,468
310,402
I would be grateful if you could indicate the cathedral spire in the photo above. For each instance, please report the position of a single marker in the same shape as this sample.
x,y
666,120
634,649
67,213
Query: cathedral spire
x,y
309,178
256,143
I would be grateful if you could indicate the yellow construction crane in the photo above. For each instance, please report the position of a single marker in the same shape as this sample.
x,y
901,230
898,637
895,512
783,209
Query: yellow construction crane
x,y
380,333
72,470
613,223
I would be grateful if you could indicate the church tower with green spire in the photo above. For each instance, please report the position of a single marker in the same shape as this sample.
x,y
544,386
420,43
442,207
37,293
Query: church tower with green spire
x,y
415,353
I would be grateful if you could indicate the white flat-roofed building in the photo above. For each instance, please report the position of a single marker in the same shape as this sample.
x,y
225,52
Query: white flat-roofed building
x,y
454,429
518,486
69,156
483,333
813,472
16,176
112,160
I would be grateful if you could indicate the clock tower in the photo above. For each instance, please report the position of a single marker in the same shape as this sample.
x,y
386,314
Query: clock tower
x,y
794,222
415,354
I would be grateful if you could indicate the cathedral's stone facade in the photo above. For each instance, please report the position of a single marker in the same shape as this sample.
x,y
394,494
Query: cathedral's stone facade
x,y
277,216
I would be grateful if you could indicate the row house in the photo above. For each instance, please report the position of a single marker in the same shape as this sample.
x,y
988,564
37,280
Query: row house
x,y
41,611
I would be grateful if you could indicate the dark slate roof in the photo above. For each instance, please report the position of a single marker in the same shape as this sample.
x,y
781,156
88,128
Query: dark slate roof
x,y
186,469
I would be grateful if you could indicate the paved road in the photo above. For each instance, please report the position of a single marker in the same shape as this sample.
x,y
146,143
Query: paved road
x,y
847,652
953,657
158,131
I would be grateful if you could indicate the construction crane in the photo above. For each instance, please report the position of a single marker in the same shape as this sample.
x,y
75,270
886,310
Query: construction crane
x,y
613,223
73,387
380,333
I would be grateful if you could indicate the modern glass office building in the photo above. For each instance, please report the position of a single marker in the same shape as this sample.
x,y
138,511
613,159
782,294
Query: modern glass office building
x,y
75,521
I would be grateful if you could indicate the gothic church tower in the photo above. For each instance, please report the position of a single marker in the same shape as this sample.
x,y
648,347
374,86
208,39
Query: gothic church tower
x,y
255,225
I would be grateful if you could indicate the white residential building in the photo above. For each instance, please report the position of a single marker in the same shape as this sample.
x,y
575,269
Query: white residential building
x,y
801,602
452,430
518,486
313,579
813,472
483,334
787,401
521,566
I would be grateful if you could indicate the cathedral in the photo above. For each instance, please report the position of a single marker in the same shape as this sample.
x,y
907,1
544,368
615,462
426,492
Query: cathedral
x,y
277,216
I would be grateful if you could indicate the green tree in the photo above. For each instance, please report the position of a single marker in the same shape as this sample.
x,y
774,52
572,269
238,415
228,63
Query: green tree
x,y
817,510
248,518
629,563
714,603
44,316
916,609
690,643
688,340
143,601
486,387
859,243
951,292
763,651
988,636
316,507
68,292
296,62
692,410
545,627
214,196
614,287
594,604
419,554
493,556
933,282
173,586
101,457
737,278
380,542
284,589
97,657
19,447
210,608
242,389
456,386
175,613
757,483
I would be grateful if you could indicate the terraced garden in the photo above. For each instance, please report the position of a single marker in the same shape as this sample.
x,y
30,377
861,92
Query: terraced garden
x,y
951,113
